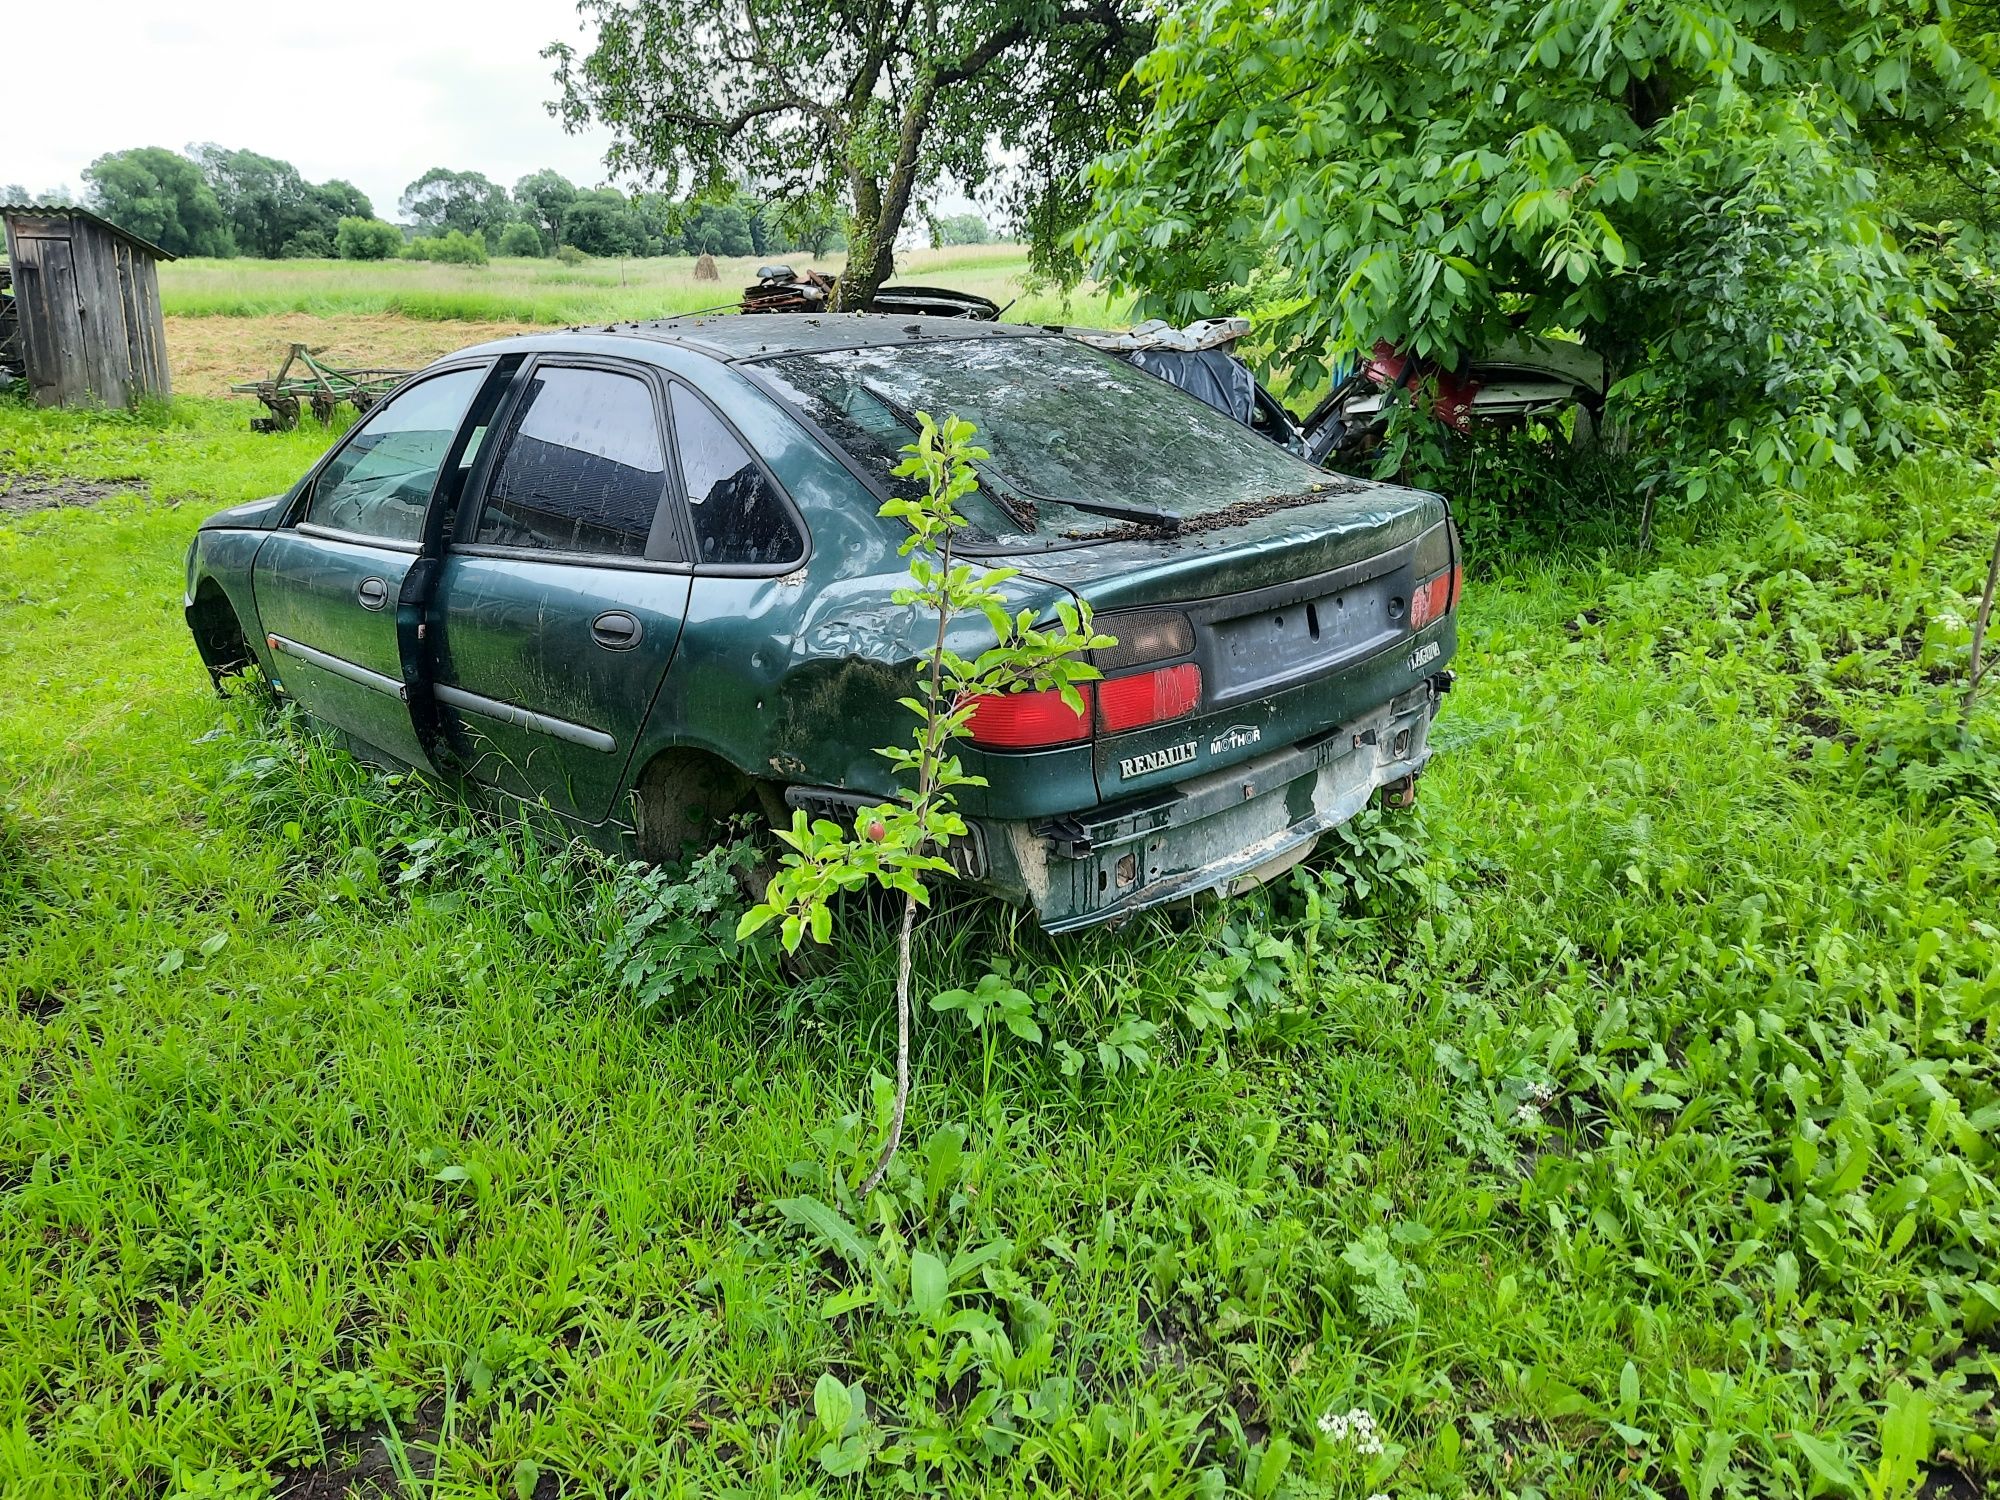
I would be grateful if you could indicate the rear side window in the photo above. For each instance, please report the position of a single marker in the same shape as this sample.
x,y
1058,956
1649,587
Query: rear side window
x,y
581,468
380,481
739,517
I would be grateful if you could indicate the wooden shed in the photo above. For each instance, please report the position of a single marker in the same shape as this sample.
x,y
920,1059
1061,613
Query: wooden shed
x,y
87,300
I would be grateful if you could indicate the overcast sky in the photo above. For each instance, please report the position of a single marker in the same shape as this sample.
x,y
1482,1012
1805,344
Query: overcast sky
x,y
376,91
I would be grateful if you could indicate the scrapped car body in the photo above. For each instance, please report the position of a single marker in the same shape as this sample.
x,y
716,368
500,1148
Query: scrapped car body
x,y
636,575
1517,380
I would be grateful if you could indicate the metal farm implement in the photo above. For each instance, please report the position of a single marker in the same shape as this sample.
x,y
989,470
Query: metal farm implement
x,y
321,387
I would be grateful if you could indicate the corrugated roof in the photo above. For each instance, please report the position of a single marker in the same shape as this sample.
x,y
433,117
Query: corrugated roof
x,y
52,210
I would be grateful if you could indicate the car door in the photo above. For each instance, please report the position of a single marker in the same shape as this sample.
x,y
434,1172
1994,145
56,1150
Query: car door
x,y
328,582
561,599
750,600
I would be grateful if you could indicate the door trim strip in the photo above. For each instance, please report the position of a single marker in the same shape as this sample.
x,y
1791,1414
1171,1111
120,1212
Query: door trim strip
x,y
340,666
526,718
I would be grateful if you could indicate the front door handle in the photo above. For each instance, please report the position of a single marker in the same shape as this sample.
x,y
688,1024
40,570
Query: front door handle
x,y
615,630
373,593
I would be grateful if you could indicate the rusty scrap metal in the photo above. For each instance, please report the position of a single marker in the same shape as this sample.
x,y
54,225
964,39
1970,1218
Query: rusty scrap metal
x,y
321,387
781,289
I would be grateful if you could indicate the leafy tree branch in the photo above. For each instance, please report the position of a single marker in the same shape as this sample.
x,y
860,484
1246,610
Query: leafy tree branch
x,y
867,104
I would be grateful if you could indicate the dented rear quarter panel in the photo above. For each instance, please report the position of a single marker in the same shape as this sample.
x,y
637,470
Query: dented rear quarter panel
x,y
798,678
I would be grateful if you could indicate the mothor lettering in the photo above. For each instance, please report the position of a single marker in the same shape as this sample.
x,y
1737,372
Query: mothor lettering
x,y
1235,737
1425,654
1155,760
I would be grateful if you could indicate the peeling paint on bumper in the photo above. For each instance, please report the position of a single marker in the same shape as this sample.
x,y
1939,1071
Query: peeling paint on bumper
x,y
1227,830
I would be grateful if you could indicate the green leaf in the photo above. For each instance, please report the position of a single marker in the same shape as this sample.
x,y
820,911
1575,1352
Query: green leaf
x,y
1828,1460
1446,1448
829,1226
929,1285
832,1405
847,1301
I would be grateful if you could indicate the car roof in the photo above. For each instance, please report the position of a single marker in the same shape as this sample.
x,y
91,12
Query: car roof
x,y
746,336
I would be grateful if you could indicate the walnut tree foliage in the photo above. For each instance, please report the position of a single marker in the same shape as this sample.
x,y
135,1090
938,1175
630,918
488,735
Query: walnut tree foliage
x,y
1686,184
861,105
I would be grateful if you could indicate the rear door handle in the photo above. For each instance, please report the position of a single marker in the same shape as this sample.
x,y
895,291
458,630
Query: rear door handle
x,y
615,630
373,593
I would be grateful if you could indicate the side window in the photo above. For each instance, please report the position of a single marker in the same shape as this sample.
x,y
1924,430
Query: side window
x,y
581,469
738,515
380,481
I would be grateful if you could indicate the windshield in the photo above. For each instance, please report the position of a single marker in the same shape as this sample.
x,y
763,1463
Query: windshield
x,y
1062,421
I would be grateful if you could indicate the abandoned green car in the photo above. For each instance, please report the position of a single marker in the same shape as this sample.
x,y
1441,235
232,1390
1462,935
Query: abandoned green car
x,y
636,575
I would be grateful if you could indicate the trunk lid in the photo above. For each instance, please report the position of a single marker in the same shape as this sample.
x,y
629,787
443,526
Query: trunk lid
x,y
1301,621
1244,548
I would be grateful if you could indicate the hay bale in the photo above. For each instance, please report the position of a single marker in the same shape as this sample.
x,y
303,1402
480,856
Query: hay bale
x,y
704,269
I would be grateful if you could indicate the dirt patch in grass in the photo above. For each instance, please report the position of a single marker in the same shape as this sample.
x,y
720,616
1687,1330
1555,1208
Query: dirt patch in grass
x,y
208,355
366,1465
39,1006
22,493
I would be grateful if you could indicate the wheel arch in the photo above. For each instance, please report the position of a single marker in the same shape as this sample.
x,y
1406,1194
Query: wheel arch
x,y
685,793
219,635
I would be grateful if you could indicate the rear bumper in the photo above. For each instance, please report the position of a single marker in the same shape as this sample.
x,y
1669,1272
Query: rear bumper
x,y
1227,830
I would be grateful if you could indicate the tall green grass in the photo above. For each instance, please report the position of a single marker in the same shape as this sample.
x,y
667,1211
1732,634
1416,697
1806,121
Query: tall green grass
x,y
545,291
1622,1124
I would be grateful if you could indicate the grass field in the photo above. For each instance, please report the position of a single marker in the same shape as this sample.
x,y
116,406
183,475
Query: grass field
x,y
546,291
1621,1123
231,320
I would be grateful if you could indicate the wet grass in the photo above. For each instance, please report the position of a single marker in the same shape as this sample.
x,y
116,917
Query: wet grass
x,y
1622,1124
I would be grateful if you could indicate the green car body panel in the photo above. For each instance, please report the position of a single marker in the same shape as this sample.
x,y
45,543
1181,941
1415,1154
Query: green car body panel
x,y
569,680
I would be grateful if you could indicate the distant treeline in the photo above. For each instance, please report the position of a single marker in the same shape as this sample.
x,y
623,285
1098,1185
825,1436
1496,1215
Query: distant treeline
x,y
217,202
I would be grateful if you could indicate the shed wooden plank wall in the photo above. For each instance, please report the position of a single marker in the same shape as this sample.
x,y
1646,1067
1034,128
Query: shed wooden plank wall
x,y
89,305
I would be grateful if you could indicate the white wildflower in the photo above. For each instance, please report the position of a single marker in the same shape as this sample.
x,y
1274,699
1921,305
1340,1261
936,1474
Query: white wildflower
x,y
1527,1114
1353,1426
1543,1092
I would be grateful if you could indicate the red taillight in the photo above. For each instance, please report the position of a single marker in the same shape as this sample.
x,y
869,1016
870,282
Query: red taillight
x,y
1435,599
1029,721
1041,720
1148,697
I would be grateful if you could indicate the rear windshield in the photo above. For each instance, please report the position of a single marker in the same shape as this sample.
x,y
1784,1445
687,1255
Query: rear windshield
x,y
1062,421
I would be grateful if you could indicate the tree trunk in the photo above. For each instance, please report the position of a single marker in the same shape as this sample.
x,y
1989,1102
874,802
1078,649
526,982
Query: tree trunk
x,y
902,1052
879,209
1976,671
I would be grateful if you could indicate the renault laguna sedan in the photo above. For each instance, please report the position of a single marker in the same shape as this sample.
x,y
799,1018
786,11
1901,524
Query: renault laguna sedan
x,y
635,576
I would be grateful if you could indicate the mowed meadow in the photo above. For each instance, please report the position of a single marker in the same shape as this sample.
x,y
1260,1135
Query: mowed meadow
x,y
232,320
1621,1121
